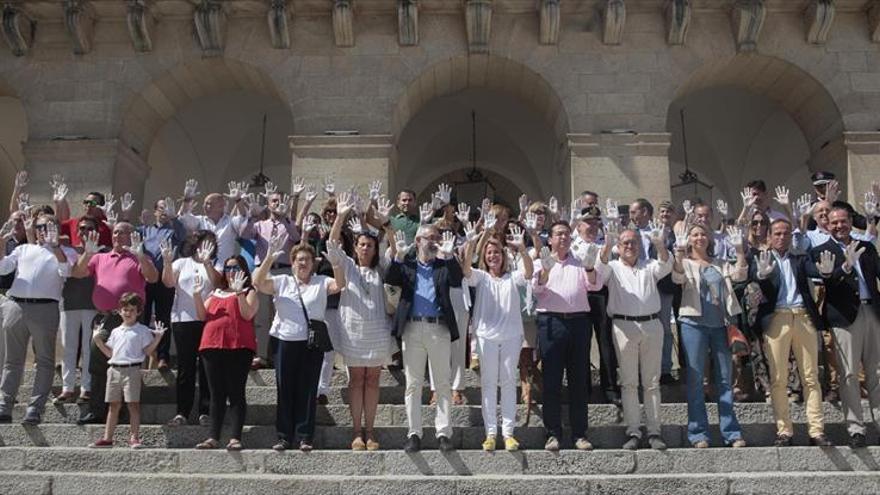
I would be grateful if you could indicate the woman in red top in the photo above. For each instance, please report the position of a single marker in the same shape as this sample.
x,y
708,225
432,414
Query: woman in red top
x,y
228,346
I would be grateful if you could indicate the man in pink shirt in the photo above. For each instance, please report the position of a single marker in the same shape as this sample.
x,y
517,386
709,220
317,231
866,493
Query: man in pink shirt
x,y
125,268
561,283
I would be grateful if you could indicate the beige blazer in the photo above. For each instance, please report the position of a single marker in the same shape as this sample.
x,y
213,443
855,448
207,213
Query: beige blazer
x,y
690,286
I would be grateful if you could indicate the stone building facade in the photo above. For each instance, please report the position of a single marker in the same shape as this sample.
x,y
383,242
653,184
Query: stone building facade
x,y
137,95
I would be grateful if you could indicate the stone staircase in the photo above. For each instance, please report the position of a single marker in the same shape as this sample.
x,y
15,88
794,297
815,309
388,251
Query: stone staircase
x,y
53,458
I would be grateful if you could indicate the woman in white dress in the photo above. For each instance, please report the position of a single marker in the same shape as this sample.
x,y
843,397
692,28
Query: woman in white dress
x,y
364,341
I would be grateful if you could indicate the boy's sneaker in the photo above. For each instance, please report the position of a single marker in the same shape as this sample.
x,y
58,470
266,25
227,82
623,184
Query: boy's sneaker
x,y
135,443
102,444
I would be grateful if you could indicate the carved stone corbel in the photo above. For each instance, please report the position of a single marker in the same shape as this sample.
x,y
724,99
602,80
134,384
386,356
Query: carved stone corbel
x,y
278,19
613,20
209,19
818,17
549,15
874,21
79,19
343,23
747,18
140,20
408,22
18,29
678,18
478,24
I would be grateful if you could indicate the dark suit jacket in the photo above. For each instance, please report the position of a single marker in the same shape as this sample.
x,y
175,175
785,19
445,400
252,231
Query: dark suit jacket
x,y
804,269
447,273
842,299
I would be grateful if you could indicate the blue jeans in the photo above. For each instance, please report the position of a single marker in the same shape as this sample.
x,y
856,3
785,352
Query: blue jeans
x,y
698,341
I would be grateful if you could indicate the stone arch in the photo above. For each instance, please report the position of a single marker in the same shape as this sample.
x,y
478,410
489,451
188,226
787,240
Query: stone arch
x,y
148,110
474,79
793,116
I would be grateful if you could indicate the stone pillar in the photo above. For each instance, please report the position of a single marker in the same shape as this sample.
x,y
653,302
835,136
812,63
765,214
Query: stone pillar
x,y
351,160
102,165
621,166
863,164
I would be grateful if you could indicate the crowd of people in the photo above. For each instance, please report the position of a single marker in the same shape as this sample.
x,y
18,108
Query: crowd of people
x,y
260,280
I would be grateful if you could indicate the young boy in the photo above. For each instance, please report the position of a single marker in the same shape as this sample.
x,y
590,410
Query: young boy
x,y
128,346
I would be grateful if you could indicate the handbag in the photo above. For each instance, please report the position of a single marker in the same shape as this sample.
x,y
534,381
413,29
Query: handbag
x,y
739,344
319,335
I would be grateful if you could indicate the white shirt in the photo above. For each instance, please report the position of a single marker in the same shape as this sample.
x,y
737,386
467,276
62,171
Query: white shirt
x,y
128,343
496,314
227,230
38,273
289,323
185,270
632,291
789,296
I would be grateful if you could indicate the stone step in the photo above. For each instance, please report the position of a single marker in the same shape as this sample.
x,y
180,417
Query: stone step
x,y
390,437
815,483
461,463
262,412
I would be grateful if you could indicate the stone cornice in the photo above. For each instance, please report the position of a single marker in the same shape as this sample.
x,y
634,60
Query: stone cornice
x,y
360,146
864,143
644,144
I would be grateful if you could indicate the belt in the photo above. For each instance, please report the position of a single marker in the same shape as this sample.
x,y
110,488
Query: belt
x,y
428,319
636,318
30,300
129,365
565,316
796,311
864,301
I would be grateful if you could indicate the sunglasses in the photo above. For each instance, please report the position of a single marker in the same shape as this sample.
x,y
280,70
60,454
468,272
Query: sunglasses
x,y
90,202
232,268
755,223
85,228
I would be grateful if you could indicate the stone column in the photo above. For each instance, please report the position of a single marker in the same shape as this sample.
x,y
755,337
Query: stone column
x,y
102,165
621,166
863,164
351,160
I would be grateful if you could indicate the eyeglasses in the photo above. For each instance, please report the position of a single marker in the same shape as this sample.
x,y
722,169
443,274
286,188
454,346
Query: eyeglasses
x,y
755,223
232,268
85,228
90,202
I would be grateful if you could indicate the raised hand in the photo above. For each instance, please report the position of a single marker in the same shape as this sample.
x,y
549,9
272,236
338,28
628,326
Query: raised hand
x,y
190,189
109,203
531,222
277,242
612,231
237,282
722,208
781,195
59,188
400,246
308,224
297,186
90,242
825,265
330,185
344,204
516,239
7,230
735,237
765,264
657,233
199,283
354,224
24,202
547,261
463,213
160,328
489,220
444,193
832,191
137,244
235,193
852,253
553,205
523,202
21,180
111,217
470,231
681,240
383,209
447,243
688,208
591,254
426,213
167,251
51,235
311,193
127,202
485,206
803,206
334,252
870,204
271,189
206,249
747,198
612,211
375,190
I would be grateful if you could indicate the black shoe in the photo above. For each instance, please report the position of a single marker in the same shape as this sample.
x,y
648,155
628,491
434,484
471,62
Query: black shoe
x,y
613,398
5,418
667,379
632,443
782,441
833,396
445,444
31,418
858,441
281,446
322,400
413,444
821,441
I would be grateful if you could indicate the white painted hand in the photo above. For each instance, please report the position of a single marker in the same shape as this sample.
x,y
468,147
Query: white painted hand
x,y
825,265
765,264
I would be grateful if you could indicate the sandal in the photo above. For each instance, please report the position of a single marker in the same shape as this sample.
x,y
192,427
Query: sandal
x,y
208,444
358,443
234,445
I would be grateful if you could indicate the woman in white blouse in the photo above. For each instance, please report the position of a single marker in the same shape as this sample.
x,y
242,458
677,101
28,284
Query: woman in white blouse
x,y
364,341
197,260
497,323
297,366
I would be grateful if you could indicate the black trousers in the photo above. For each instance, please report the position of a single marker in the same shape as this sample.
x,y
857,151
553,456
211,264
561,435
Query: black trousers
x,y
227,372
565,350
297,370
158,303
98,363
187,336
601,327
